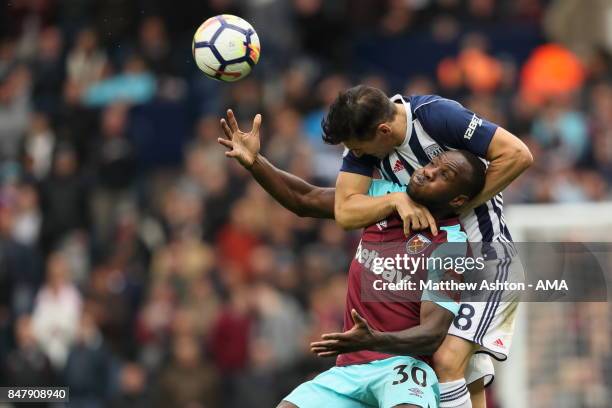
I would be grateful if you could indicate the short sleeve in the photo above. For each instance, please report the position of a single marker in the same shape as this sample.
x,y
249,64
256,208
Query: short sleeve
x,y
450,124
449,305
381,187
363,165
454,248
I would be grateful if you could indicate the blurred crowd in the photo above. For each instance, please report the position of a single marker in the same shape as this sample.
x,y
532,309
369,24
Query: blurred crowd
x,y
579,361
140,267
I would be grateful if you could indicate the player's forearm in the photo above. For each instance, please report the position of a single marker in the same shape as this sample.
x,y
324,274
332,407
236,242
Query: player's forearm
x,y
416,341
503,169
293,193
360,210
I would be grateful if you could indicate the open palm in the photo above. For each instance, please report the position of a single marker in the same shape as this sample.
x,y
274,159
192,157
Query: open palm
x,y
359,337
242,146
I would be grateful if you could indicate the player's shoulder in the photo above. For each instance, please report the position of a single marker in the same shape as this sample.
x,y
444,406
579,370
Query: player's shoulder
x,y
428,103
451,230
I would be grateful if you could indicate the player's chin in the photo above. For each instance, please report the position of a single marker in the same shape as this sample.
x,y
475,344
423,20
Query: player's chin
x,y
421,195
415,189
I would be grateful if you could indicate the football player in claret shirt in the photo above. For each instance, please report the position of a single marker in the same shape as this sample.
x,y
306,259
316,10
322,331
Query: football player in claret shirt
x,y
382,355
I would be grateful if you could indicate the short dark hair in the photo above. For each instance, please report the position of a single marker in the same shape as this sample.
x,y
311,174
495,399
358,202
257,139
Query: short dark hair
x,y
476,181
355,114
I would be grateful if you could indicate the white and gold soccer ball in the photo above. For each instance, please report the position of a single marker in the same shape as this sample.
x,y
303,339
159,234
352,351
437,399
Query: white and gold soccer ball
x,y
226,47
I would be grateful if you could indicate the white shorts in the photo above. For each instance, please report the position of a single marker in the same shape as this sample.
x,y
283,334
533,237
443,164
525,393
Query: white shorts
x,y
490,323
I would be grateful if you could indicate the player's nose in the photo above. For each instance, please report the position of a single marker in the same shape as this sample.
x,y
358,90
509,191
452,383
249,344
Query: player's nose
x,y
429,172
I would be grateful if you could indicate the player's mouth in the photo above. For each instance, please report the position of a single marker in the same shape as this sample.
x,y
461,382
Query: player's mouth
x,y
419,179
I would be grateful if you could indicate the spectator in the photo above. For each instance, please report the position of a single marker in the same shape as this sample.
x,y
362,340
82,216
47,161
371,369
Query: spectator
x,y
153,323
135,84
19,265
14,108
562,131
28,218
88,367
27,365
86,63
134,388
113,159
57,310
187,380
278,329
48,70
229,337
155,46
63,200
39,146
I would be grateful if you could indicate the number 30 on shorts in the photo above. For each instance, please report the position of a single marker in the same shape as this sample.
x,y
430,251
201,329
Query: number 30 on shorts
x,y
418,375
463,320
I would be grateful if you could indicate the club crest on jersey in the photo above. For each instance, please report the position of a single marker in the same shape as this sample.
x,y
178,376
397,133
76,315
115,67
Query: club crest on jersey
x,y
433,151
417,244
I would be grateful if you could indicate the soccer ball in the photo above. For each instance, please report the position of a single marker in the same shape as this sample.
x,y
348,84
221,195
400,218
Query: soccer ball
x,y
226,48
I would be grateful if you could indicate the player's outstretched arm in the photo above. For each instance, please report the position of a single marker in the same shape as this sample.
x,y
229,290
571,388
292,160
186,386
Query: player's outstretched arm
x,y
420,340
292,192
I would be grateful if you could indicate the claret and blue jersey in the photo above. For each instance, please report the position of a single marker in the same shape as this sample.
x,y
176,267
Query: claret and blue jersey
x,y
384,310
435,125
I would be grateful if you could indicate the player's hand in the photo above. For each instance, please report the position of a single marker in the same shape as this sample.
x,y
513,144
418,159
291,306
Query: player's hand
x,y
242,146
415,216
359,337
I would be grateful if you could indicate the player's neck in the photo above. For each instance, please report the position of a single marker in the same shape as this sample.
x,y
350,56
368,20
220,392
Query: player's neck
x,y
442,213
399,125
439,211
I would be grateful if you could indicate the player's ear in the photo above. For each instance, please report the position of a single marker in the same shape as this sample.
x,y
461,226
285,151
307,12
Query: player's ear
x,y
459,201
383,129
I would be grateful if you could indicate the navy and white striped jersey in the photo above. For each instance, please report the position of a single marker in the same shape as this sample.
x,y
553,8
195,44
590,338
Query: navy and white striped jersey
x,y
436,124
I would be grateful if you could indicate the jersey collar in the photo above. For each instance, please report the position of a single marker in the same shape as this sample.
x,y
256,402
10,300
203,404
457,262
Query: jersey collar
x,y
399,98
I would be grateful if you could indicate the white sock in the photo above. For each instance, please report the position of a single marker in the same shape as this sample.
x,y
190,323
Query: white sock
x,y
455,394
